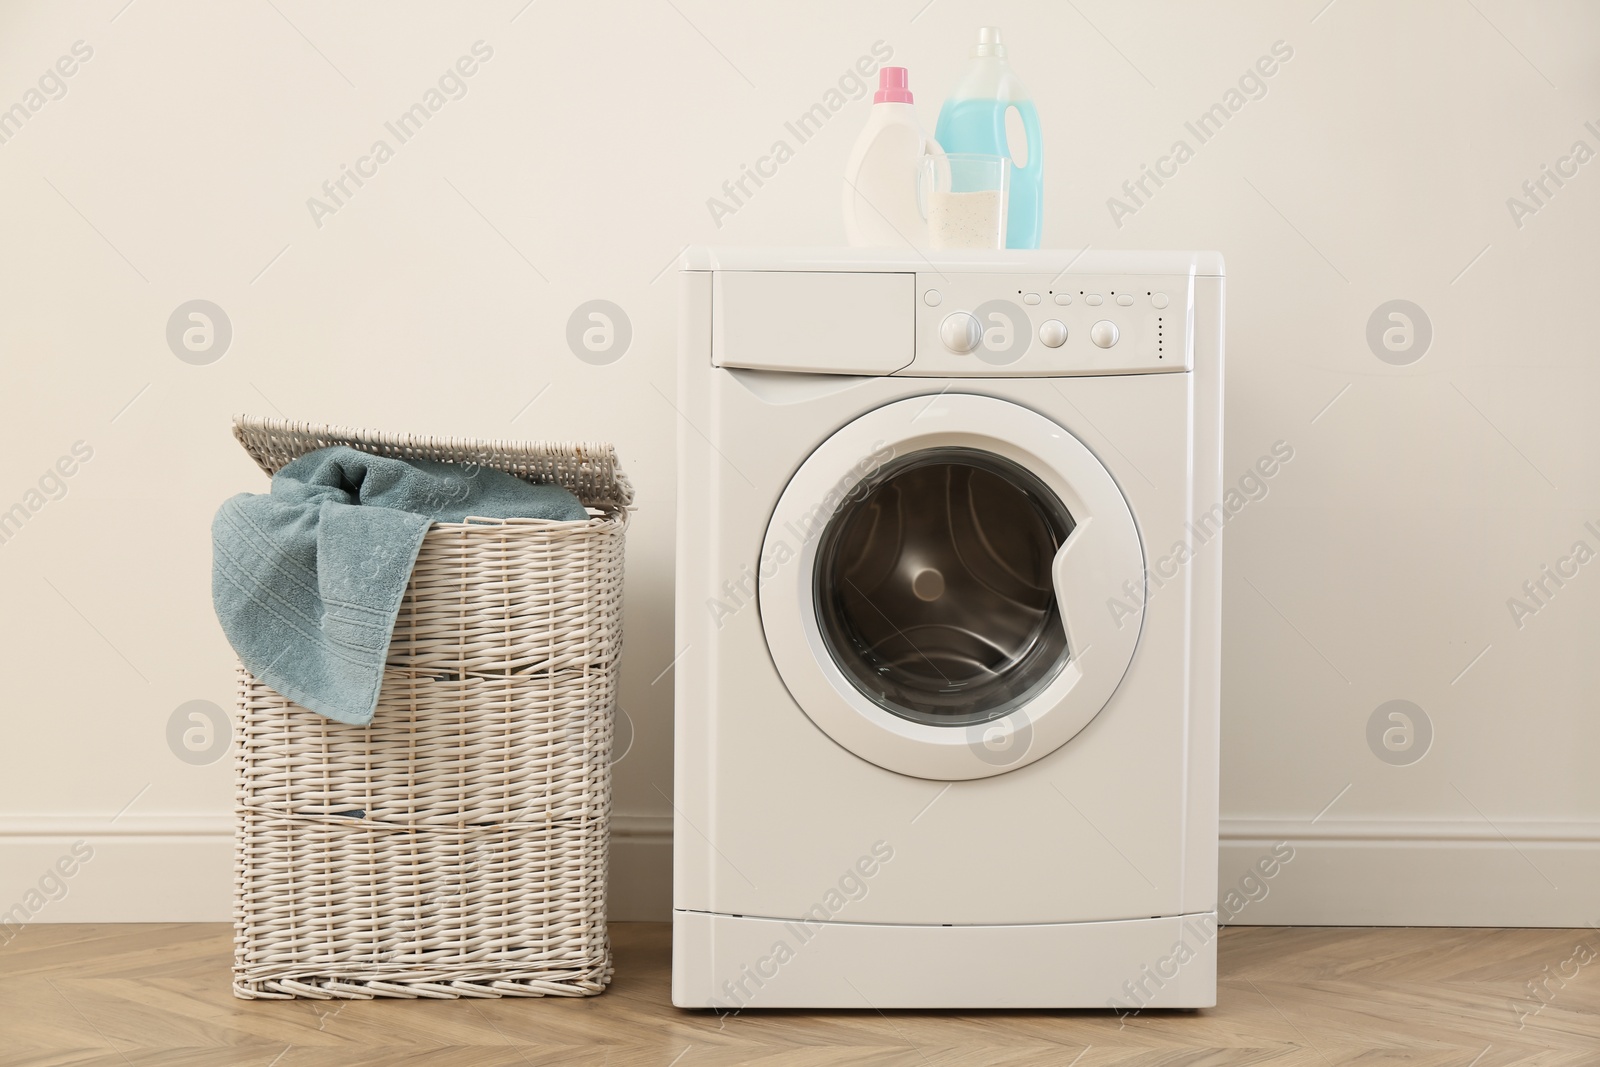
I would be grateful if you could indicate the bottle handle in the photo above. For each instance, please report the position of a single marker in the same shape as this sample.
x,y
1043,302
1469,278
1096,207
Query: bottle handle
x,y
926,167
1030,130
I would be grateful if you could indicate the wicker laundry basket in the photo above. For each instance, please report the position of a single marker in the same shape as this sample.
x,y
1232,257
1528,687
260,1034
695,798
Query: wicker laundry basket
x,y
456,846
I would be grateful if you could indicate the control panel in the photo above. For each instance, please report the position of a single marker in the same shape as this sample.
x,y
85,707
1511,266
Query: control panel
x,y
1012,324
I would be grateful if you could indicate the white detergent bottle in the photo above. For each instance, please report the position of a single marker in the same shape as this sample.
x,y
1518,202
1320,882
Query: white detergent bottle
x,y
880,181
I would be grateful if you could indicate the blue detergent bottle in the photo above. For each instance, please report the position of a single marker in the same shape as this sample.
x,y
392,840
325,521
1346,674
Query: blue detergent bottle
x,y
973,119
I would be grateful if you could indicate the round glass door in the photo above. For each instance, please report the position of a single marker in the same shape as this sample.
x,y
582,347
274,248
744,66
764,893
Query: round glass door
x,y
938,569
934,590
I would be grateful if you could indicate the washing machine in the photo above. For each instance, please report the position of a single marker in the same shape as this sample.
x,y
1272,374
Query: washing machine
x,y
947,629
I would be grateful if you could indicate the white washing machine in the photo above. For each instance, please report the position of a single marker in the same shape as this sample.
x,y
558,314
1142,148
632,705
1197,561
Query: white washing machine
x,y
947,629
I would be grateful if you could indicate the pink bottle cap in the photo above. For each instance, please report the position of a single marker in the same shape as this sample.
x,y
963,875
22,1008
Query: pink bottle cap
x,y
892,87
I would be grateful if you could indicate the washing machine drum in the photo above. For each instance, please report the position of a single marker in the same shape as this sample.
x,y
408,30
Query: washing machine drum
x,y
933,586
935,581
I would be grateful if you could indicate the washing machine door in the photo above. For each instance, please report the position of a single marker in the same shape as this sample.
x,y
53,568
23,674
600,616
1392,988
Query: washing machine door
x,y
952,586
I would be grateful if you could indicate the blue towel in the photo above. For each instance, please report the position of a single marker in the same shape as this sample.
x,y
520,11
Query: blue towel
x,y
307,580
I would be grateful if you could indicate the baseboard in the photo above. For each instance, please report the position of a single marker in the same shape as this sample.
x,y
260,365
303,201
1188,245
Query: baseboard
x,y
641,868
1412,873
179,868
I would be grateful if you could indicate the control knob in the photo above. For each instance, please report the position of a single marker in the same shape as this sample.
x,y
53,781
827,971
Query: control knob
x,y
961,332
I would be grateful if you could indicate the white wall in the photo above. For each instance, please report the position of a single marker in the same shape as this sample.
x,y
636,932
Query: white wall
x,y
1376,167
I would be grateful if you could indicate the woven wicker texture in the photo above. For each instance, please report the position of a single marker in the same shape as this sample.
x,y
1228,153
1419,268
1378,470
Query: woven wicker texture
x,y
590,470
457,845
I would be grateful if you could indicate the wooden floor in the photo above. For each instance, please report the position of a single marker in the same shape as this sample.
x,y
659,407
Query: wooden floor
x,y
130,995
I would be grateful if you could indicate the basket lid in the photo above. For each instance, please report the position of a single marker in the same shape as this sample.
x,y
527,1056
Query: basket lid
x,y
588,469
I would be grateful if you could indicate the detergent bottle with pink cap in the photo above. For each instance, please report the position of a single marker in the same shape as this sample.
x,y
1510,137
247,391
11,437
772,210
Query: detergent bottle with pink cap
x,y
880,180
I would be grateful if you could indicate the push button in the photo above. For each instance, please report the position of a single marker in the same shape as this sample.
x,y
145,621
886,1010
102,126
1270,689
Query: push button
x,y
932,298
1053,333
1030,298
1124,299
1094,300
1104,333
1159,300
1063,299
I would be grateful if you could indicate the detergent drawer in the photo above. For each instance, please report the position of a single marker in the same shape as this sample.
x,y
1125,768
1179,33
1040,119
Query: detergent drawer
x,y
815,322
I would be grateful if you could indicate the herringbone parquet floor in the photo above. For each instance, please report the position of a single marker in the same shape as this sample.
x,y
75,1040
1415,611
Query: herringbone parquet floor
x,y
135,995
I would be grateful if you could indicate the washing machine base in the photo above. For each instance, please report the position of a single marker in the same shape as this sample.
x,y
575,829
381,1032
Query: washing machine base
x,y
734,962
